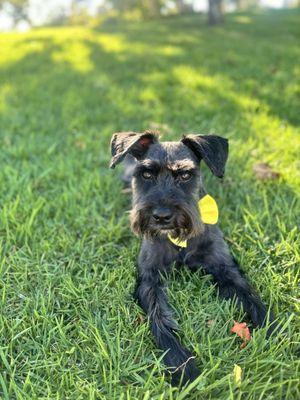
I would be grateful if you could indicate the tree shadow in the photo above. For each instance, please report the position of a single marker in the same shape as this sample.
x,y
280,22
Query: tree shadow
x,y
127,86
135,77
259,66
68,92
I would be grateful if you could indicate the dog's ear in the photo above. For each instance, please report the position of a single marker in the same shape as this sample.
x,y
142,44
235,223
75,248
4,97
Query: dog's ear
x,y
133,143
212,149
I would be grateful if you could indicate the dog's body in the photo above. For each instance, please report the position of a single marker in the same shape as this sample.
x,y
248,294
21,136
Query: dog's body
x,y
167,185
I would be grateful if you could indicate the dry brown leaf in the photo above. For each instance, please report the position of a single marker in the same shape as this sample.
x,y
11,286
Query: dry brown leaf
x,y
210,322
140,319
242,330
264,172
80,144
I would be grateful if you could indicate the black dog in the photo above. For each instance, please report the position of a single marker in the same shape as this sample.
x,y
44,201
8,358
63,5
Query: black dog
x,y
166,185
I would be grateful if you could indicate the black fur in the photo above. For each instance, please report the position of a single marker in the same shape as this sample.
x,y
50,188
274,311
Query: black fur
x,y
212,149
166,185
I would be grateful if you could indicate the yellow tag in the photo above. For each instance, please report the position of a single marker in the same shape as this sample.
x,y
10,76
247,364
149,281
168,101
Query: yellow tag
x,y
179,243
208,210
209,214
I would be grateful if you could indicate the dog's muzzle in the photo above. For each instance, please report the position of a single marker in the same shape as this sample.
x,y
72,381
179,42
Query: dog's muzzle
x,y
161,220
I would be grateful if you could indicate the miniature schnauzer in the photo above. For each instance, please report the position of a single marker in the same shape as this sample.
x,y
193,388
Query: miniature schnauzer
x,y
166,186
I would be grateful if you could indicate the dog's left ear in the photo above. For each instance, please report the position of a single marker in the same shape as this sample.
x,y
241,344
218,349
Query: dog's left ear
x,y
212,149
133,143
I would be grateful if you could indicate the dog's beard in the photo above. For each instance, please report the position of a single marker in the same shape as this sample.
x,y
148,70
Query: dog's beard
x,y
187,223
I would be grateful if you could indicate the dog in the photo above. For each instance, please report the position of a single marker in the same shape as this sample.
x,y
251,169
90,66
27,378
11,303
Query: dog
x,y
166,187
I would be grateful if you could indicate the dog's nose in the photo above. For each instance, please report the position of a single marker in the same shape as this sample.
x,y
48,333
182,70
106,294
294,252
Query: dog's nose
x,y
162,215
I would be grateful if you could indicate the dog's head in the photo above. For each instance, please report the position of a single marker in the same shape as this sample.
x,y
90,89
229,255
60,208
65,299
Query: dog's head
x,y
166,180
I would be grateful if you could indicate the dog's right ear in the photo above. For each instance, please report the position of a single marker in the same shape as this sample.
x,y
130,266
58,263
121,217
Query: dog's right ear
x,y
133,143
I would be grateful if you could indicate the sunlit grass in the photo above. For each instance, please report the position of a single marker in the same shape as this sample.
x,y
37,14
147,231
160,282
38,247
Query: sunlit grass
x,y
69,327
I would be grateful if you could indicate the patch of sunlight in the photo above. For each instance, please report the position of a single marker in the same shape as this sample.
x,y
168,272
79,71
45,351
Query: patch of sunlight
x,y
112,44
279,144
246,102
296,70
192,78
14,48
76,54
170,50
292,89
242,19
120,47
273,137
148,95
60,34
154,78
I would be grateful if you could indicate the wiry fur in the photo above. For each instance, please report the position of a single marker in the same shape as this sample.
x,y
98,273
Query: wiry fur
x,y
186,224
206,247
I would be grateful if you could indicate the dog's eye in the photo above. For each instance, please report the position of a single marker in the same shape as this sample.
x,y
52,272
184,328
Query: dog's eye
x,y
147,175
185,176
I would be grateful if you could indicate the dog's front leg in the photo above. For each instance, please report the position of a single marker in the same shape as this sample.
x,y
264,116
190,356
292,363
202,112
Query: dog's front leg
x,y
156,258
210,252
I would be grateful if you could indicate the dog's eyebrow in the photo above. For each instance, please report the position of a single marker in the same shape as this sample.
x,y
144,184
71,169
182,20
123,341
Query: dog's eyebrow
x,y
150,164
185,164
155,164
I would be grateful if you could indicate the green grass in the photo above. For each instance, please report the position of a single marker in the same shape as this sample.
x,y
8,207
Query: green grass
x,y
69,327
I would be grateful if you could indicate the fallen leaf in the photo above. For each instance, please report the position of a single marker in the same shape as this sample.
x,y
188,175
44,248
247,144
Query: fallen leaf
x,y
242,330
273,69
264,172
140,319
254,152
210,322
237,375
80,144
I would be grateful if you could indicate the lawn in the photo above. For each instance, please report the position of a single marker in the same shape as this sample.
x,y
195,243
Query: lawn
x,y
69,326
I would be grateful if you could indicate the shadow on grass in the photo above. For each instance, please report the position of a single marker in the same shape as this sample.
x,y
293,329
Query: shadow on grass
x,y
64,94
257,53
193,80
176,72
